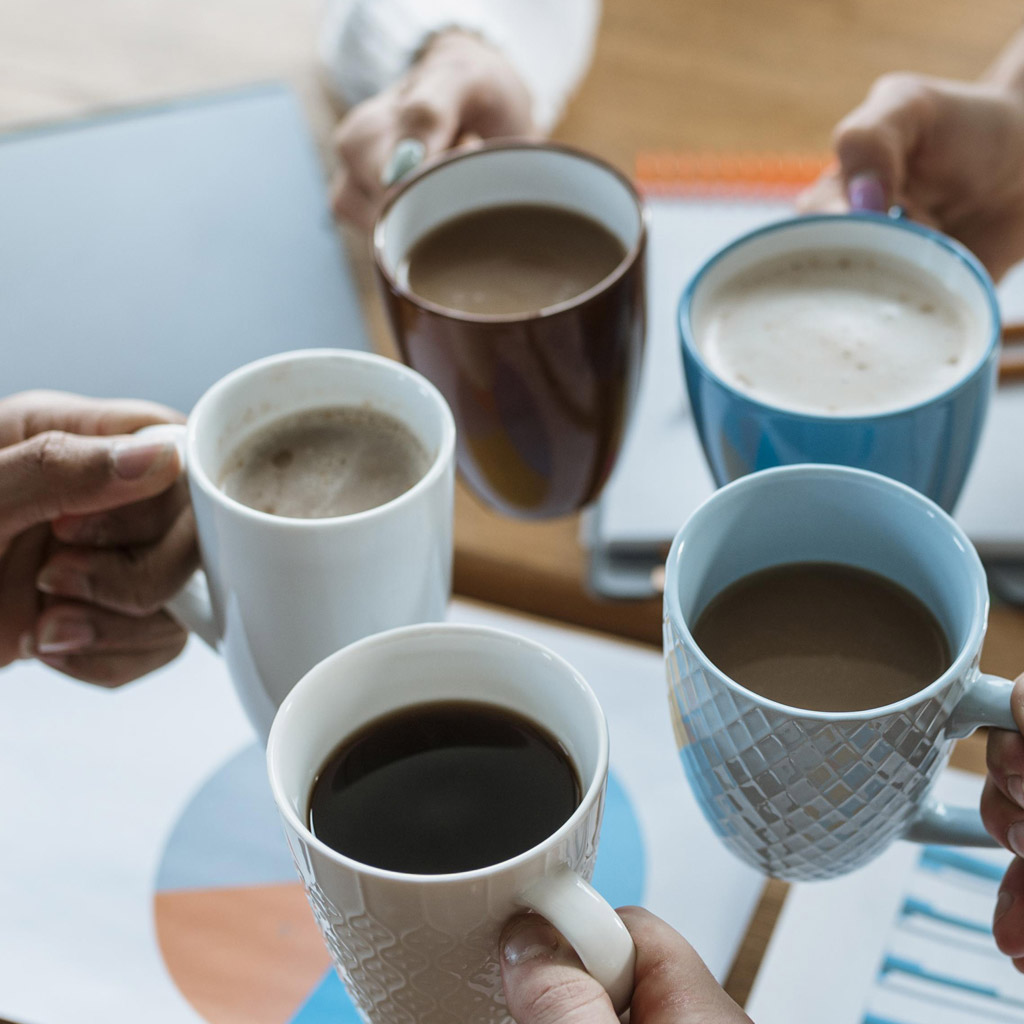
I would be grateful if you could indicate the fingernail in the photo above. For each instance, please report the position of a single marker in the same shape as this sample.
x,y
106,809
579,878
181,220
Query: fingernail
x,y
27,645
1015,837
65,582
1015,785
1003,904
139,456
65,633
528,938
407,155
865,193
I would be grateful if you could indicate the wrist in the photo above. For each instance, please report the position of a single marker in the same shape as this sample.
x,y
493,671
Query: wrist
x,y
494,98
454,43
1006,73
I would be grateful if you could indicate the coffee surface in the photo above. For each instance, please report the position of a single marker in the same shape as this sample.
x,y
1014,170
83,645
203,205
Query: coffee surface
x,y
518,258
325,462
823,637
443,787
838,332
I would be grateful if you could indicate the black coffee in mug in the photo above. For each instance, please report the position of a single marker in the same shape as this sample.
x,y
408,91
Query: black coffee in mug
x,y
443,787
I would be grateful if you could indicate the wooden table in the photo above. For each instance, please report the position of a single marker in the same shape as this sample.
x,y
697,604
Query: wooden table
x,y
735,74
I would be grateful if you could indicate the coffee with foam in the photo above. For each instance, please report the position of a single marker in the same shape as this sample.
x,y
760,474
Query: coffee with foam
x,y
839,332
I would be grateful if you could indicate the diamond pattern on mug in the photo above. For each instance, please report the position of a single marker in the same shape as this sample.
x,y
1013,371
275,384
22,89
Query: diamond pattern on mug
x,y
801,797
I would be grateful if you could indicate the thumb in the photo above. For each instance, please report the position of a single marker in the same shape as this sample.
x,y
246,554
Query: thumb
x,y
54,473
545,983
544,980
875,142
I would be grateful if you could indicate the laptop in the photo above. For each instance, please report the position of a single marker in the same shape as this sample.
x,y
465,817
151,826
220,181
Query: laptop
x,y
147,253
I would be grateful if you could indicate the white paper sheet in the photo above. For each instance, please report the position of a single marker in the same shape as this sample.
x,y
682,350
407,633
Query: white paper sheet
x,y
99,786
905,940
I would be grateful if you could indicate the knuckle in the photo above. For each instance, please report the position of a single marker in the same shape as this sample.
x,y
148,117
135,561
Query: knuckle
x,y
349,145
994,820
125,581
109,673
419,115
569,998
50,451
915,94
356,132
898,83
143,594
51,458
1004,754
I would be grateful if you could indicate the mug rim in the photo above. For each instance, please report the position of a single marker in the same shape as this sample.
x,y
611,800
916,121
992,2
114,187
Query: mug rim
x,y
623,267
956,249
962,658
428,631
197,471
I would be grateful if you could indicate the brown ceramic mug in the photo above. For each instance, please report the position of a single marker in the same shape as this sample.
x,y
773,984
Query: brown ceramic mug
x,y
541,398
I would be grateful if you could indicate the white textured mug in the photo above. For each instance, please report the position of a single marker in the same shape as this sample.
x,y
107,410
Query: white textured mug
x,y
281,593
423,949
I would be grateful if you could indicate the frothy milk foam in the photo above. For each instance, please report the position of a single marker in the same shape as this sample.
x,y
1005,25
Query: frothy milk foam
x,y
838,332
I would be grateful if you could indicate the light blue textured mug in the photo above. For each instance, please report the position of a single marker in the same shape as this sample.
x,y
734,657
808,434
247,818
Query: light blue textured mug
x,y
928,444
812,794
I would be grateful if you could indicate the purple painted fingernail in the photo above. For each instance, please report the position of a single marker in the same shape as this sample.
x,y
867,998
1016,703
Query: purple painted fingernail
x,y
866,194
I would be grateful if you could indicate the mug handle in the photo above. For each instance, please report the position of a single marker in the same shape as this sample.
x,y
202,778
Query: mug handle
x,y
985,702
593,929
191,606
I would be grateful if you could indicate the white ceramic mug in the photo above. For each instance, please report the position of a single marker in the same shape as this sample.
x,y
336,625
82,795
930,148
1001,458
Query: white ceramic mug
x,y
423,949
281,593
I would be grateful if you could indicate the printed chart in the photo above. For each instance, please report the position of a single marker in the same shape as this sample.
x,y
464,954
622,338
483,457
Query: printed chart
x,y
940,964
234,928
150,873
905,940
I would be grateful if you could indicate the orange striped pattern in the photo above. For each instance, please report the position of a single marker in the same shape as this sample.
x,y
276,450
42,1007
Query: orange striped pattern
x,y
726,174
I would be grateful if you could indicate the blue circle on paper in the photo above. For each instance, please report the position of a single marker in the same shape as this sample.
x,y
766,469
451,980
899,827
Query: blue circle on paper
x,y
229,835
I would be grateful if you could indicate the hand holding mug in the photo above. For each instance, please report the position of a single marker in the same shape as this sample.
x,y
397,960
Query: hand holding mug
x,y
795,783
413,926
545,982
859,340
96,534
947,152
293,570
1002,810
459,86
513,277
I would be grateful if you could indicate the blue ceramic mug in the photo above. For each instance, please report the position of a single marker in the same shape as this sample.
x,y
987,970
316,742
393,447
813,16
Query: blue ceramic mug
x,y
806,794
927,443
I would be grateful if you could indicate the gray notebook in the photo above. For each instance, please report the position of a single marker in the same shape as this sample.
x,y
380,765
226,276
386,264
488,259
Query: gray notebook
x,y
149,252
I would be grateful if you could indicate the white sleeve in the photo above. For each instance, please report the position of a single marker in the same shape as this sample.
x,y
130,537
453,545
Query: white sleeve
x,y
367,44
